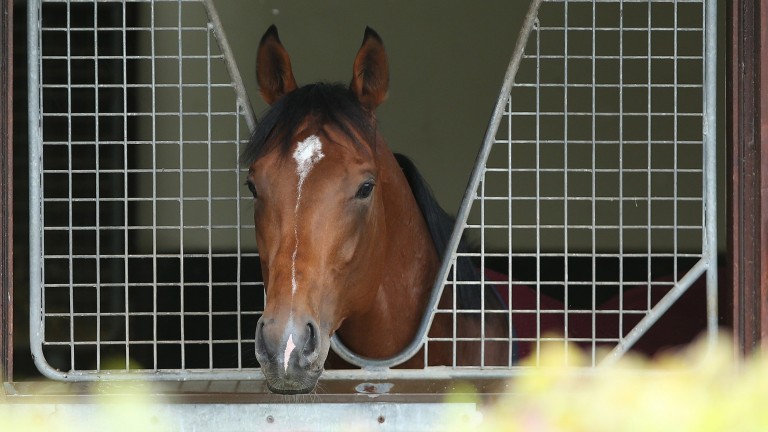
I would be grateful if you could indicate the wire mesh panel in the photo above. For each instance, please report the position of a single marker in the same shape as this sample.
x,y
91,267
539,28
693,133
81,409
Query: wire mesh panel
x,y
590,198
143,256
591,204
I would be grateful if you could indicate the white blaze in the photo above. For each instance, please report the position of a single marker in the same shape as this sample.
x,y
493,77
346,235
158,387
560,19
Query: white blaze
x,y
306,155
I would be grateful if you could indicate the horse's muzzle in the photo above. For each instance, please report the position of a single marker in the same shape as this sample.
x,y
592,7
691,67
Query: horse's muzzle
x,y
291,355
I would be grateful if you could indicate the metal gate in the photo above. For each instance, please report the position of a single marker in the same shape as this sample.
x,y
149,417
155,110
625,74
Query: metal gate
x,y
598,156
138,220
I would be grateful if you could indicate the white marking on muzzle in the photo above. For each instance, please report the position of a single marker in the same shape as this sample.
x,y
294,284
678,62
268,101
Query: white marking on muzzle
x,y
289,346
306,155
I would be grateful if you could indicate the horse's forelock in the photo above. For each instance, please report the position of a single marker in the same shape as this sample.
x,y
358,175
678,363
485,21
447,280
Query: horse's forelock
x,y
318,104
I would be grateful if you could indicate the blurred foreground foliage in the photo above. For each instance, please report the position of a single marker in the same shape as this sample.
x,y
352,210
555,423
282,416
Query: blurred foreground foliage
x,y
127,407
702,388
699,389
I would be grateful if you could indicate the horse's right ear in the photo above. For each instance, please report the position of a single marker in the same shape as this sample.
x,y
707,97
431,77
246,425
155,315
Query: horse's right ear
x,y
273,68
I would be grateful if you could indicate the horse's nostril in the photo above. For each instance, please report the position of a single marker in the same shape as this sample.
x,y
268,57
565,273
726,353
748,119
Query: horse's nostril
x,y
311,345
260,344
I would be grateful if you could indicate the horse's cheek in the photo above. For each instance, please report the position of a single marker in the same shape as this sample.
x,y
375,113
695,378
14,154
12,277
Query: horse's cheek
x,y
346,252
358,248
354,239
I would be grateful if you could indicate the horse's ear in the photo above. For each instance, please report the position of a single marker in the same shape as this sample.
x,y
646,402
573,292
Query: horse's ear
x,y
370,73
273,68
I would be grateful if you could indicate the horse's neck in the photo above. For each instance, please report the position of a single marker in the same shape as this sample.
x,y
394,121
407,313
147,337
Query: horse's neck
x,y
409,270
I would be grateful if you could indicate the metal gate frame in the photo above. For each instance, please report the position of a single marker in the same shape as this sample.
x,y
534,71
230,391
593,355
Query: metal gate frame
x,y
379,369
37,335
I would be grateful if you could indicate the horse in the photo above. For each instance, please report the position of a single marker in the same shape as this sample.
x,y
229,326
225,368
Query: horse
x,y
350,238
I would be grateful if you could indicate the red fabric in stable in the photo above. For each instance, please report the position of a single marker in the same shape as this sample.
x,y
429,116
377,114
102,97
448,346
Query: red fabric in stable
x,y
535,315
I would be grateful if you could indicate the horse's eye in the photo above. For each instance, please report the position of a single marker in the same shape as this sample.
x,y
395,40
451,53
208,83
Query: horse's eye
x,y
365,190
252,188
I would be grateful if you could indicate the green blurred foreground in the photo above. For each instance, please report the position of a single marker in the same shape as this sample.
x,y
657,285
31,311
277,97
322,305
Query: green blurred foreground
x,y
697,390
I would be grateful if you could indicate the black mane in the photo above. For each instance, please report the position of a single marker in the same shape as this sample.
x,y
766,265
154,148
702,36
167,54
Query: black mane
x,y
440,225
321,103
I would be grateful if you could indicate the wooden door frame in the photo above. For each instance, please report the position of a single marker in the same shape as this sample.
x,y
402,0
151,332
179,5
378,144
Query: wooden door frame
x,y
747,175
6,190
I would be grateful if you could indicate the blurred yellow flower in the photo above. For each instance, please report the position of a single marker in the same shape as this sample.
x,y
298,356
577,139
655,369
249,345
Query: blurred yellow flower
x,y
127,407
700,389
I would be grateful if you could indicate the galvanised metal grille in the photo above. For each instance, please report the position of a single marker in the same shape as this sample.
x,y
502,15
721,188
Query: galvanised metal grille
x,y
593,198
143,257
594,187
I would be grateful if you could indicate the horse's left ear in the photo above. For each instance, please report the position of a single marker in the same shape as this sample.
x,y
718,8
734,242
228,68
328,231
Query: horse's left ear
x,y
370,73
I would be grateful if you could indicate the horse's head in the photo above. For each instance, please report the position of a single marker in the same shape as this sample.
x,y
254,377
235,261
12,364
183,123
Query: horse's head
x,y
316,176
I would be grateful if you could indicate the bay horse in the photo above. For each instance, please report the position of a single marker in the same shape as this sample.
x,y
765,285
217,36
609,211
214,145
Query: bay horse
x,y
350,239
